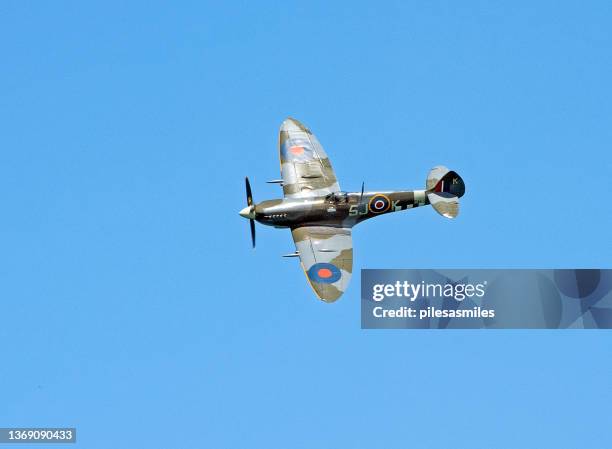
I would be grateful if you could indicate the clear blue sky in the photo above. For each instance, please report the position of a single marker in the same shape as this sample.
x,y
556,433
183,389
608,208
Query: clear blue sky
x,y
132,306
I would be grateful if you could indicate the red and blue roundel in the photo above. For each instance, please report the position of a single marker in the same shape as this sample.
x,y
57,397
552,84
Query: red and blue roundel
x,y
379,204
325,273
295,149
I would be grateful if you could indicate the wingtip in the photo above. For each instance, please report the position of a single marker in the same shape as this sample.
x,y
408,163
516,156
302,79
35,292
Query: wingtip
x,y
293,124
327,293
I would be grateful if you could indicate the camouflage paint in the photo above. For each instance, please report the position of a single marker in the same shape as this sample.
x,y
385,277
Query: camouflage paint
x,y
320,216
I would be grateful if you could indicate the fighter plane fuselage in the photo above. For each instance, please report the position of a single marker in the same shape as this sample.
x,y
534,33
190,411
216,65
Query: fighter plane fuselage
x,y
341,209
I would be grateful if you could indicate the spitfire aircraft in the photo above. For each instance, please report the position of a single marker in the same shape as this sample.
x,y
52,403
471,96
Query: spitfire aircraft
x,y
321,216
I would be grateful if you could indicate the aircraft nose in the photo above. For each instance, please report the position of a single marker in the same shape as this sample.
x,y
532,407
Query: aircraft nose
x,y
248,212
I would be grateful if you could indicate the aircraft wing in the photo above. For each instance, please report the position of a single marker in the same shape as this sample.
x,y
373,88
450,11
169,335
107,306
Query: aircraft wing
x,y
326,254
305,167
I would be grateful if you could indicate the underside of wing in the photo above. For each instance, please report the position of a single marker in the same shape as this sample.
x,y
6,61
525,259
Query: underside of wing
x,y
326,254
305,167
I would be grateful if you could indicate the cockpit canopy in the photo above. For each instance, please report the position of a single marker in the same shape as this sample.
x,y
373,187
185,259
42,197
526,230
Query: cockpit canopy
x,y
337,197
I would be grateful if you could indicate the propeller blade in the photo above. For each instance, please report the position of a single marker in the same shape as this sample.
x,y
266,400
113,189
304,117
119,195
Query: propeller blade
x,y
249,211
248,192
362,186
253,232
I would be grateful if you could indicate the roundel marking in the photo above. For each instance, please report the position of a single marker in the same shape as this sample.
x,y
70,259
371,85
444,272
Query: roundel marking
x,y
379,203
325,273
297,150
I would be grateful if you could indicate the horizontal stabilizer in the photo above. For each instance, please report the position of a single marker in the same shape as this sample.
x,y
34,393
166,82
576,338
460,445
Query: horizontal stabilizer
x,y
446,204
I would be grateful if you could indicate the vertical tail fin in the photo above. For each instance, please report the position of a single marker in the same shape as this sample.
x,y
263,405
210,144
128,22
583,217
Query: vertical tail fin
x,y
444,188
